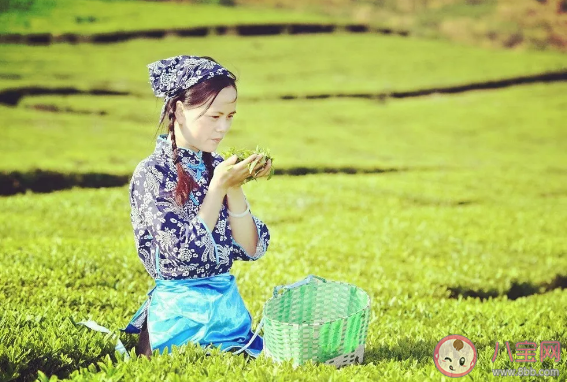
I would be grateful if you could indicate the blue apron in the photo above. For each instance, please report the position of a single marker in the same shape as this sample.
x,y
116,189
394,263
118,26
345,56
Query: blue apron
x,y
204,311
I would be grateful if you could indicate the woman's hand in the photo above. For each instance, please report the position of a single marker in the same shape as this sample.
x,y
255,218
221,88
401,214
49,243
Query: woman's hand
x,y
231,174
264,171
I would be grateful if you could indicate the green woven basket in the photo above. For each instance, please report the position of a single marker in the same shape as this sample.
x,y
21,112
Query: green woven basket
x,y
316,319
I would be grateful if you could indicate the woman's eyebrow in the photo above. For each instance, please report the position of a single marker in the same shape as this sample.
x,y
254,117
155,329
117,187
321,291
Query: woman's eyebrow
x,y
221,113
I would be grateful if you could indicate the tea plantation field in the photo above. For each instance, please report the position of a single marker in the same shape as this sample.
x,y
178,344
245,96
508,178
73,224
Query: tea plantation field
x,y
302,132
275,66
404,237
516,127
101,16
457,228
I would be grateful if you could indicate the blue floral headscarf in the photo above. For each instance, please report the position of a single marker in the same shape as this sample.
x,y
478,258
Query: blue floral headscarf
x,y
171,75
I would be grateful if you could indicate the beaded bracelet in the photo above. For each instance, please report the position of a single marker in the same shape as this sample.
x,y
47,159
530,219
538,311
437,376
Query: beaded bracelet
x,y
243,213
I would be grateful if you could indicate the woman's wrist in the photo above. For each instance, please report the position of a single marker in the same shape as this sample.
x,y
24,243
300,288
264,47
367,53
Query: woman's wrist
x,y
234,192
241,214
218,188
237,202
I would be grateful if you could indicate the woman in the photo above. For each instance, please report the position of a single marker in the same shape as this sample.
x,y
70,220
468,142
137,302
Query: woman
x,y
187,215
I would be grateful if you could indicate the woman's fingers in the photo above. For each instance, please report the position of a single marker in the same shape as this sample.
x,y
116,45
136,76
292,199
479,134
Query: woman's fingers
x,y
255,162
265,170
252,158
253,166
250,163
245,163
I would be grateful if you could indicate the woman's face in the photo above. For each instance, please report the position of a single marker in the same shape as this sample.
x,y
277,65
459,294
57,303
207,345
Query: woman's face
x,y
199,132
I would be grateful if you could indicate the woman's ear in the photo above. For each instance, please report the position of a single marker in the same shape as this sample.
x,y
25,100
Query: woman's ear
x,y
179,114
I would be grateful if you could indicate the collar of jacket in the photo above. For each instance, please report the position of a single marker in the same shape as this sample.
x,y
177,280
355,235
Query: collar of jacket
x,y
189,158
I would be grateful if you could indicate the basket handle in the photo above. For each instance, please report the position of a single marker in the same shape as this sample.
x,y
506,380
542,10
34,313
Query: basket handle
x,y
296,284
252,339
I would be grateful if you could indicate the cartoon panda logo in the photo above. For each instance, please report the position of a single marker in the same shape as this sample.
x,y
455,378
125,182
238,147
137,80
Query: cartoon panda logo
x,y
455,356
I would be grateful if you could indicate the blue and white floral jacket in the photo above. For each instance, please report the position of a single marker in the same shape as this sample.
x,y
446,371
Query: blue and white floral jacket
x,y
173,242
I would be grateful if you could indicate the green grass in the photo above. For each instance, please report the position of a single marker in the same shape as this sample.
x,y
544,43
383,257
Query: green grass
x,y
95,16
518,127
277,65
280,66
524,24
478,206
399,236
481,209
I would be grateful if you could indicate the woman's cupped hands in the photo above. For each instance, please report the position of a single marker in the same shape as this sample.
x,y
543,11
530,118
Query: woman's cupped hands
x,y
229,174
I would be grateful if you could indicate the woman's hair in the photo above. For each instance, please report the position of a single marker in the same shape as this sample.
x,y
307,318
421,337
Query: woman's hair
x,y
195,96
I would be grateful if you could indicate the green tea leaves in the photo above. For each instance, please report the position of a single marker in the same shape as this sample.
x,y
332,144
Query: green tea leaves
x,y
242,154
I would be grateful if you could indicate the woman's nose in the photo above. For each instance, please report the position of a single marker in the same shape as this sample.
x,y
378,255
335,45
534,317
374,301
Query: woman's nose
x,y
224,128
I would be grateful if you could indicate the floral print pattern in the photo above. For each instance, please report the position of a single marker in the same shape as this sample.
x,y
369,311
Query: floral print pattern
x,y
172,241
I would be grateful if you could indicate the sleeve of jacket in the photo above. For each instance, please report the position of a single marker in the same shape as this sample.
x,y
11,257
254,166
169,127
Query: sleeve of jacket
x,y
184,242
238,251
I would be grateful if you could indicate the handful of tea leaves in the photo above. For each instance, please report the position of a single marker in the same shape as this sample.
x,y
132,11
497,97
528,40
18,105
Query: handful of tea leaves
x,y
242,154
